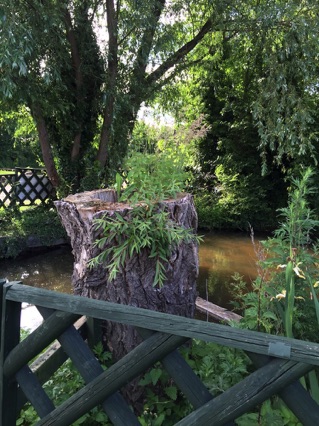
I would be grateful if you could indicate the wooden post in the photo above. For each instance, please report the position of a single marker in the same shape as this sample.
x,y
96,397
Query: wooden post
x,y
10,336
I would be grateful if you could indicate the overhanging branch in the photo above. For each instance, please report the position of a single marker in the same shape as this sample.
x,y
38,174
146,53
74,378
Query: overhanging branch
x,y
179,55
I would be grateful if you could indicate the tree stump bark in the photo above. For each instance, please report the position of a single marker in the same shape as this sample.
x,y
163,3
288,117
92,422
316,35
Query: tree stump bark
x,y
133,284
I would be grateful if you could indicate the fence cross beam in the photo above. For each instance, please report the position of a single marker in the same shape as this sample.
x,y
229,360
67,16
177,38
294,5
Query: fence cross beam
x,y
126,369
249,392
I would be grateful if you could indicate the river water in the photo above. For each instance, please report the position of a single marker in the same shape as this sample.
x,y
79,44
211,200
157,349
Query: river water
x,y
220,255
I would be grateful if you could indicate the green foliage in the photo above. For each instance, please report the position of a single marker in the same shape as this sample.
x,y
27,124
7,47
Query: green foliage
x,y
18,142
259,312
150,180
165,404
153,177
273,413
285,105
210,214
284,297
40,222
219,367
85,87
297,264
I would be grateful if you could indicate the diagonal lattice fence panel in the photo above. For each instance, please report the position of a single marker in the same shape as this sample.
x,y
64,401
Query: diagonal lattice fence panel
x,y
25,186
279,361
7,186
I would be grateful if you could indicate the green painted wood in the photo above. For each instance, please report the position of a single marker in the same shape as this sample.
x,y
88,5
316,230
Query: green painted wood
x,y
190,328
10,335
38,340
2,283
130,366
88,366
94,327
34,392
247,340
295,396
44,371
301,404
184,377
46,364
247,394
2,316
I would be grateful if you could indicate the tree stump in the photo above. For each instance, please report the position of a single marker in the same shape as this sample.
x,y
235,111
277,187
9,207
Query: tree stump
x,y
134,283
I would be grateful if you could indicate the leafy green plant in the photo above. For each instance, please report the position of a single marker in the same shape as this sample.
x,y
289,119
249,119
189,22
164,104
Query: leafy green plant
x,y
153,177
293,264
284,297
150,180
165,404
219,367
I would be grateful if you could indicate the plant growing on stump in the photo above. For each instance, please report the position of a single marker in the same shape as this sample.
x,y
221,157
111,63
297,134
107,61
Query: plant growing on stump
x,y
149,181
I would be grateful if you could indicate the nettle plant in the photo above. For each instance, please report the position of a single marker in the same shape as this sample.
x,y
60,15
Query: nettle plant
x,y
149,180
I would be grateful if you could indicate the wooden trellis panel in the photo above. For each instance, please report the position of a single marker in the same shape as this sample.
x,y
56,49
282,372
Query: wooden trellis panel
x,y
25,187
7,193
280,362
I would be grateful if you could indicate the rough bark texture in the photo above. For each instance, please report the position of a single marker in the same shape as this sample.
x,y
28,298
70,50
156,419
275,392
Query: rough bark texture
x,y
133,285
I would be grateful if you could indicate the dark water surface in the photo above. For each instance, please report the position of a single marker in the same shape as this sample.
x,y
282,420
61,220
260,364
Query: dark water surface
x,y
220,255
51,269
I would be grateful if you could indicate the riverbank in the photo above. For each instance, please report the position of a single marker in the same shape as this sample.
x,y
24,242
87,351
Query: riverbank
x,y
27,229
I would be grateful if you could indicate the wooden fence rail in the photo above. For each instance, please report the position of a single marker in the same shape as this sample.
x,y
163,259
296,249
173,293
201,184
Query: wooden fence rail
x,y
24,186
280,362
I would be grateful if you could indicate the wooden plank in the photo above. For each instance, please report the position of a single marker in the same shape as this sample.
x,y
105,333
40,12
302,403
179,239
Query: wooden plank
x,y
44,369
295,396
88,366
215,311
10,335
32,388
45,365
130,366
246,340
2,301
184,377
182,374
245,395
38,340
301,404
94,327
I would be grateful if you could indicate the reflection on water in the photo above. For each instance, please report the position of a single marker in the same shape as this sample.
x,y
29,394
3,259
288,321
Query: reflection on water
x,y
220,255
50,270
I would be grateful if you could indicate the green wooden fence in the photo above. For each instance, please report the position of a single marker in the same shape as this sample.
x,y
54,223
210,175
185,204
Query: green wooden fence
x,y
279,362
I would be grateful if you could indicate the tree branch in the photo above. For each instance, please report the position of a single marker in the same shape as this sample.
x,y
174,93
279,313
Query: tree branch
x,y
179,55
143,52
76,59
112,25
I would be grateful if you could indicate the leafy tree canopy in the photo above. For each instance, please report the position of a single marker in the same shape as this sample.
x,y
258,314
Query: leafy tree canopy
x,y
85,67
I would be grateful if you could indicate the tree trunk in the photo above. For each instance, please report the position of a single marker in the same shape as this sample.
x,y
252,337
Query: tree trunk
x,y
134,282
133,285
47,153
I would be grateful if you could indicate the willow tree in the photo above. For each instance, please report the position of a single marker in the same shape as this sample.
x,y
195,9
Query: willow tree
x,y
84,67
260,97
